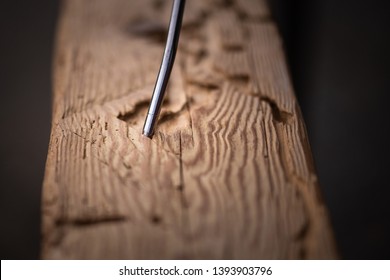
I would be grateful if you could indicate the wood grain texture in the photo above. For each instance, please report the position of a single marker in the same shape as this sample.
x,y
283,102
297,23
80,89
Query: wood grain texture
x,y
228,174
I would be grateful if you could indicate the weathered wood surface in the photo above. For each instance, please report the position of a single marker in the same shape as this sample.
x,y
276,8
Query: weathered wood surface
x,y
229,173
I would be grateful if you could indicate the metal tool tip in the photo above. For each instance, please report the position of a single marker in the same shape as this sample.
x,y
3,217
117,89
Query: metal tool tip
x,y
148,129
148,134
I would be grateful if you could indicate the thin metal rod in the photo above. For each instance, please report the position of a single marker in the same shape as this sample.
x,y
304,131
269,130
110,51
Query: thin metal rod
x,y
165,68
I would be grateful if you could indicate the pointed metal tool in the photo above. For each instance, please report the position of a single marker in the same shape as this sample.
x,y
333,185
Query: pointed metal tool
x,y
165,68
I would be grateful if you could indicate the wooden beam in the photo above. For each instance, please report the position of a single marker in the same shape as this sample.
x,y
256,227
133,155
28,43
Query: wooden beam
x,y
228,174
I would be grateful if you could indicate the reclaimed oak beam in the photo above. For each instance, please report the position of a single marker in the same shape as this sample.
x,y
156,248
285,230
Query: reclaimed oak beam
x,y
229,173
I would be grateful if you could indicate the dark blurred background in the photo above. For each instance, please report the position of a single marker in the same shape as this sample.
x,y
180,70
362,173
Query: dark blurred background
x,y
338,54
